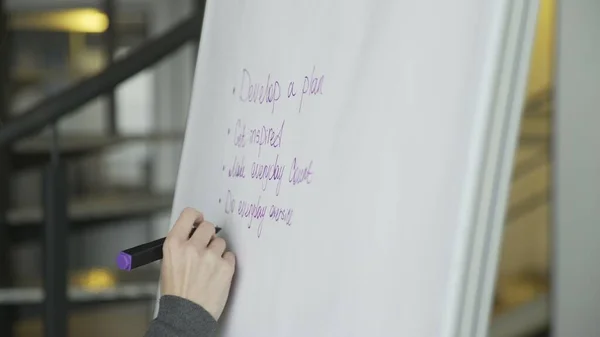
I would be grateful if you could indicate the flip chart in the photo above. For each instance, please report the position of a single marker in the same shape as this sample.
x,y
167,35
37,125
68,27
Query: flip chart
x,y
336,142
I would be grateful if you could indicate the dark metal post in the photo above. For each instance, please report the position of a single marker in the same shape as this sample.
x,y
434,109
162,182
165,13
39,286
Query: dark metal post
x,y
6,315
110,38
199,6
55,246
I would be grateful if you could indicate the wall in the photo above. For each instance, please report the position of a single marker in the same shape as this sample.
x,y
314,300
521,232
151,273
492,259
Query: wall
x,y
576,223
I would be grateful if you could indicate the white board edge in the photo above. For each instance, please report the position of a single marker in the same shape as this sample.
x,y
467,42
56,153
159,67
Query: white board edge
x,y
501,144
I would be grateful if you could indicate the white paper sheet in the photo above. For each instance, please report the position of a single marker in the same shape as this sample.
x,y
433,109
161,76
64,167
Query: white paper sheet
x,y
348,123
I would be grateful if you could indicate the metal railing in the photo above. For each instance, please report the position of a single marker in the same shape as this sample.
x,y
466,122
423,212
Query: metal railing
x,y
51,109
538,106
6,315
46,114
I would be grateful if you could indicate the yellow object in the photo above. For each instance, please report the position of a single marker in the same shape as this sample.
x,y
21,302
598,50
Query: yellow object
x,y
85,20
97,279
542,57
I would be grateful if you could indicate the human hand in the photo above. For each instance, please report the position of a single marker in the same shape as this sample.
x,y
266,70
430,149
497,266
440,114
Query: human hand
x,y
198,268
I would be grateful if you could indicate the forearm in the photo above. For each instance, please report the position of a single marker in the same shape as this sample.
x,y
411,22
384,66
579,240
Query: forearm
x,y
178,317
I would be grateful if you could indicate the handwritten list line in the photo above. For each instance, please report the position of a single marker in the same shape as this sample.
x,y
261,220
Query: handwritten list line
x,y
266,133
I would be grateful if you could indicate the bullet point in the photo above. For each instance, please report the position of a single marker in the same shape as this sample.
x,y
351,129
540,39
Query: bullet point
x,y
233,91
228,131
223,167
219,200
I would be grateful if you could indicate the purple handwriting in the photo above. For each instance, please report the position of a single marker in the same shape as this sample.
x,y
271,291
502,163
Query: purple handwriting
x,y
300,174
267,172
260,136
269,92
311,86
239,134
229,203
266,136
254,211
238,168
277,214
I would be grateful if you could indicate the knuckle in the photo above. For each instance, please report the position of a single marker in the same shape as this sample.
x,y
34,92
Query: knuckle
x,y
191,251
210,255
210,258
169,243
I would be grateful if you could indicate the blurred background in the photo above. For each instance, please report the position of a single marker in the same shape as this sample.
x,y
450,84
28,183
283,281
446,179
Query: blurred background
x,y
114,159
119,153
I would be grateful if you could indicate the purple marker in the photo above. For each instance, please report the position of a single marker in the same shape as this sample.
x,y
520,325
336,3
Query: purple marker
x,y
145,254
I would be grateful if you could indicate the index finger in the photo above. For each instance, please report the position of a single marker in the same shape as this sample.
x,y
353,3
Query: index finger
x,y
184,224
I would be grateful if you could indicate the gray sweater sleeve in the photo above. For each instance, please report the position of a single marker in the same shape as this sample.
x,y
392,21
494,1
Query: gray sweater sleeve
x,y
178,317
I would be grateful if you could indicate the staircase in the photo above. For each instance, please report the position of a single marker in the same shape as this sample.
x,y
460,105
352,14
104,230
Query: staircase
x,y
71,203
522,306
